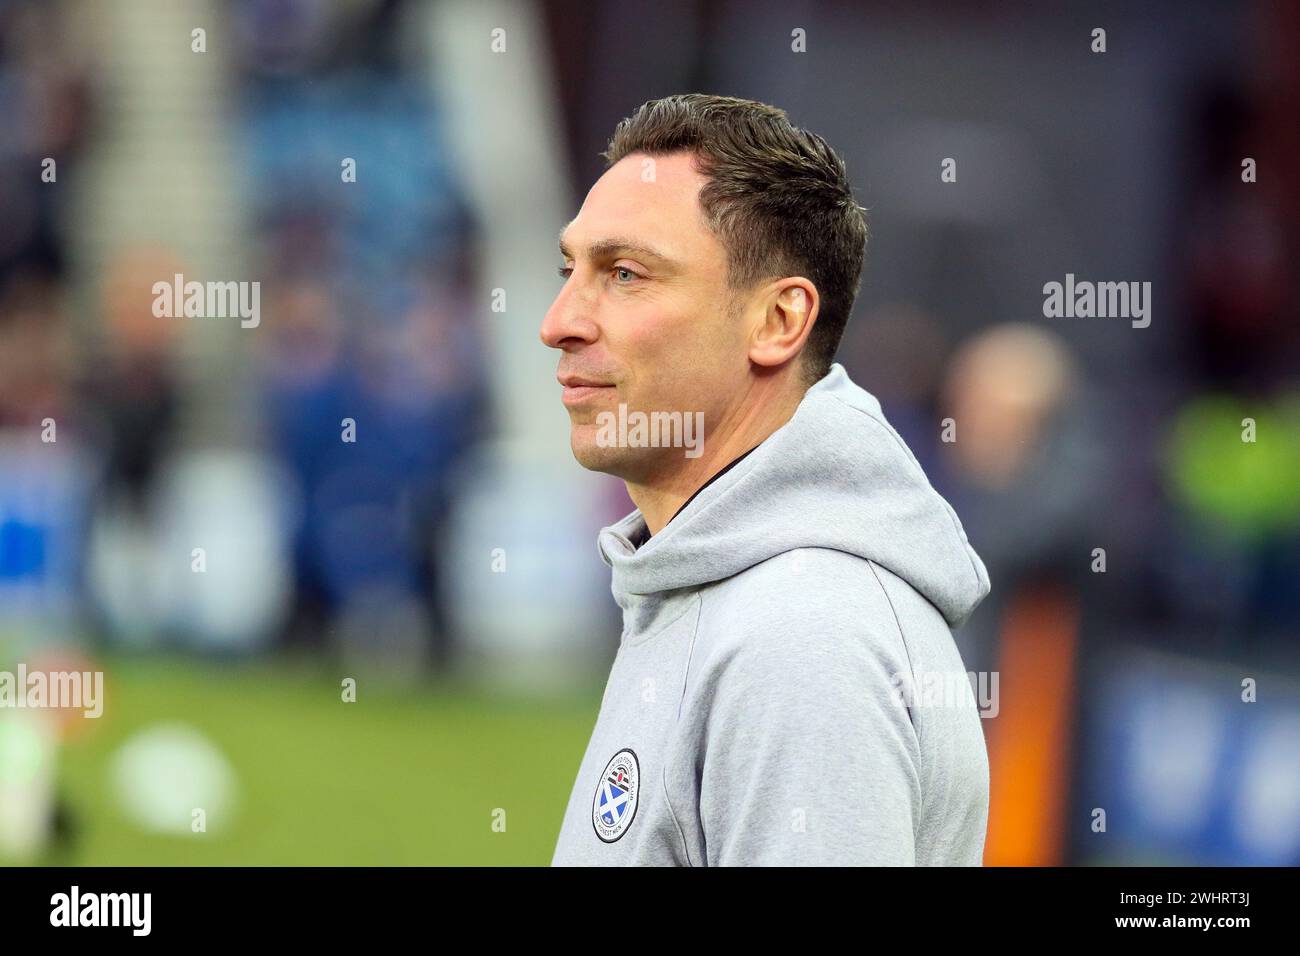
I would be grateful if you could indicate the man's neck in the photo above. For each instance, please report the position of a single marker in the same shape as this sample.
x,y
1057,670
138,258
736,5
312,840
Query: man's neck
x,y
747,426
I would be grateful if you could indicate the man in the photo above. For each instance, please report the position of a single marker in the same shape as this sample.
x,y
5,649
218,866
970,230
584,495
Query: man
x,y
788,585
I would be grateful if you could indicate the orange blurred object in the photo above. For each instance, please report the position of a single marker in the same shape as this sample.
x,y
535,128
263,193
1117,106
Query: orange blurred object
x,y
1029,740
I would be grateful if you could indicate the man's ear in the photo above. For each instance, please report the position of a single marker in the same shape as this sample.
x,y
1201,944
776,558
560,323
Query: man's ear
x,y
789,311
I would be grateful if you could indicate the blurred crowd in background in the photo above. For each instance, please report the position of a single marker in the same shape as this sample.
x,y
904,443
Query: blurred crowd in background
x,y
1145,559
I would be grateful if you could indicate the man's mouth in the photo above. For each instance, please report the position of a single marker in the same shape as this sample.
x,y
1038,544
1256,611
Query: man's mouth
x,y
578,389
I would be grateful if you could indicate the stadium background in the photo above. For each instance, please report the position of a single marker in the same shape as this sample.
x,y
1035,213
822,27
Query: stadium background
x,y
445,560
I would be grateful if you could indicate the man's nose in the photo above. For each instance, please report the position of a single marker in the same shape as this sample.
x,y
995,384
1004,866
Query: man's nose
x,y
567,322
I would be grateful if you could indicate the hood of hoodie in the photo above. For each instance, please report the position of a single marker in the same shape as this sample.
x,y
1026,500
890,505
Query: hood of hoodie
x,y
836,475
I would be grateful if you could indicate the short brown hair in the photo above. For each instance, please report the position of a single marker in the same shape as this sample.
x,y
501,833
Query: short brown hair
x,y
777,197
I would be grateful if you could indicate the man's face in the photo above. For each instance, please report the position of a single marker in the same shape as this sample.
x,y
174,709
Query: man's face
x,y
644,312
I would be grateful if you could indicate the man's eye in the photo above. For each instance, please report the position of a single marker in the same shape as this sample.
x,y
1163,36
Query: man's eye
x,y
631,275
565,271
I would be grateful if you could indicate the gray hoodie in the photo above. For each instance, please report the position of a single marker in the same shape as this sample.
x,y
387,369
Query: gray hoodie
x,y
787,689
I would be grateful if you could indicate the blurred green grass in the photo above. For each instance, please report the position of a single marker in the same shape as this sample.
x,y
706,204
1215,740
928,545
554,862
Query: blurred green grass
x,y
403,776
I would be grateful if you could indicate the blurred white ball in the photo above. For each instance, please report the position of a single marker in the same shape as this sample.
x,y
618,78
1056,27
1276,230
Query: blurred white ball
x,y
163,774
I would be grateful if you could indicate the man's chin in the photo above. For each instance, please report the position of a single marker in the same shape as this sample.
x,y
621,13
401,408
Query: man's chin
x,y
634,465
595,457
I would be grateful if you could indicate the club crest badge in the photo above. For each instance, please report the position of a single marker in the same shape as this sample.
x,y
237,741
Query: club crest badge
x,y
615,802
